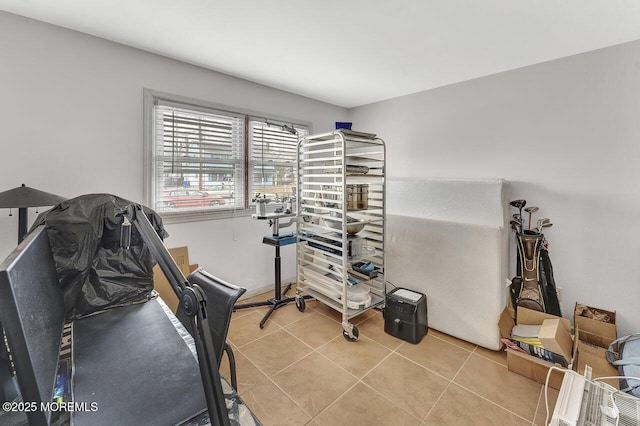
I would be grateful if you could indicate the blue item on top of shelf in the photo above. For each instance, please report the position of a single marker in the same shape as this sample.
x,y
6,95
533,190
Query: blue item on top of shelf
x,y
343,125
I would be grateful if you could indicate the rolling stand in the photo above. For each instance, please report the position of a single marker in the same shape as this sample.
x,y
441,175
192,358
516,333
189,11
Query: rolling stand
x,y
280,299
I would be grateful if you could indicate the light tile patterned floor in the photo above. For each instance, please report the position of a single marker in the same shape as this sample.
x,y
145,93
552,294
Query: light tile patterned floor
x,y
300,370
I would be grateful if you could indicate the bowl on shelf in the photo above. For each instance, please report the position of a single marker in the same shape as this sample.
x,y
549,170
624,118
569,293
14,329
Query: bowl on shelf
x,y
353,225
358,292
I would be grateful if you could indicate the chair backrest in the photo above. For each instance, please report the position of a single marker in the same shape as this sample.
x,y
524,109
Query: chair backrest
x,y
32,313
221,296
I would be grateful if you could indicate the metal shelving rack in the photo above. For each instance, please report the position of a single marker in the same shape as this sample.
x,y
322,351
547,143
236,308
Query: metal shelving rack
x,y
330,166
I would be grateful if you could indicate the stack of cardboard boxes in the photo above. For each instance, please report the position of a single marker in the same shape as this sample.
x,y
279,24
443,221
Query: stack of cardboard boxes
x,y
591,341
587,347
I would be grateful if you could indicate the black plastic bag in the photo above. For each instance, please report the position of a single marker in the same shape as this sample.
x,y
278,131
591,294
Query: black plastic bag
x,y
95,273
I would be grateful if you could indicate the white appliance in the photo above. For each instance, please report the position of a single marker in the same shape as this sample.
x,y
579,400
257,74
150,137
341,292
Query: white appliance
x,y
583,402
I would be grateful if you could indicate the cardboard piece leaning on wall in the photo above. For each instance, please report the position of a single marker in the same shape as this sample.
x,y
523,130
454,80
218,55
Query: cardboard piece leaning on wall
x,y
160,282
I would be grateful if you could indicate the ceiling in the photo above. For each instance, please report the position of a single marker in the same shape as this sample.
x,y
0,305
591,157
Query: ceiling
x,y
350,52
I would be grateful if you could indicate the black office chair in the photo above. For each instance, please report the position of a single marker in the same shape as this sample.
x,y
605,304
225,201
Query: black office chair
x,y
221,296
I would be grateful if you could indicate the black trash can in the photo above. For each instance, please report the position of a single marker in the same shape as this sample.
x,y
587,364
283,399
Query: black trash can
x,y
405,315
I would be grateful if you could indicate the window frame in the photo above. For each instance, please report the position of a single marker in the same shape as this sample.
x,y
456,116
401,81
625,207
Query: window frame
x,y
150,98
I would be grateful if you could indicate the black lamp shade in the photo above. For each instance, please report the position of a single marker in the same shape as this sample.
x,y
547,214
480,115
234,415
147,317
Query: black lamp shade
x,y
23,197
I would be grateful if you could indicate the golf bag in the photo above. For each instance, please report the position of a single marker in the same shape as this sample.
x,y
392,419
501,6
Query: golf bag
x,y
534,286
548,284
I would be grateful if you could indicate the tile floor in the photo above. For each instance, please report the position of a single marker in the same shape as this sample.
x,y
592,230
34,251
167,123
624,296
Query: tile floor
x,y
300,370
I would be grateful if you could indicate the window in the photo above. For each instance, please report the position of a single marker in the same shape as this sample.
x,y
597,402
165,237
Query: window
x,y
273,157
202,161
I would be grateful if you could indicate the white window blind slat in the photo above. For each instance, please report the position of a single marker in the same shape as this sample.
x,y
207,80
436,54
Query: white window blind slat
x,y
199,159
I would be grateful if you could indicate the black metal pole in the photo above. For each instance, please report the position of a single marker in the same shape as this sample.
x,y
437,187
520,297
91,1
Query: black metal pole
x,y
22,223
278,275
153,241
277,262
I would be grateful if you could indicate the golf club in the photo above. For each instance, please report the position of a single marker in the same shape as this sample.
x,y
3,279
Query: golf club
x,y
546,225
519,204
542,223
531,210
516,217
545,243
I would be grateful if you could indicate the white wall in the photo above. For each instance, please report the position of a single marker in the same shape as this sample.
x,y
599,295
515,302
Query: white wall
x,y
71,123
566,134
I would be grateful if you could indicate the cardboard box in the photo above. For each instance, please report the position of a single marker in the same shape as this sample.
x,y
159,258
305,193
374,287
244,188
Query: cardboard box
x,y
529,316
160,282
593,339
594,326
533,368
527,365
555,337
586,353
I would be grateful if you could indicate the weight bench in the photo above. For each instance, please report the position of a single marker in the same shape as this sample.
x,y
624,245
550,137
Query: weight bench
x,y
130,364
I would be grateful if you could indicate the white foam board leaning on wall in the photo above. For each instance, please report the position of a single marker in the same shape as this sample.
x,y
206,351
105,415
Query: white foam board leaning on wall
x,y
448,239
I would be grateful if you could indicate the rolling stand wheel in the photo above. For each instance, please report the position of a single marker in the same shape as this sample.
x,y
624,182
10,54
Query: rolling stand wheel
x,y
353,336
300,304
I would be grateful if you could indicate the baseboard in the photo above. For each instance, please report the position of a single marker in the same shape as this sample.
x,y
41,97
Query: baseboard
x,y
268,289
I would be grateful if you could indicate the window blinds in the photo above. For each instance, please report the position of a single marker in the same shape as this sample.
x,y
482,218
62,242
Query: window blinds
x,y
198,151
205,160
272,162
